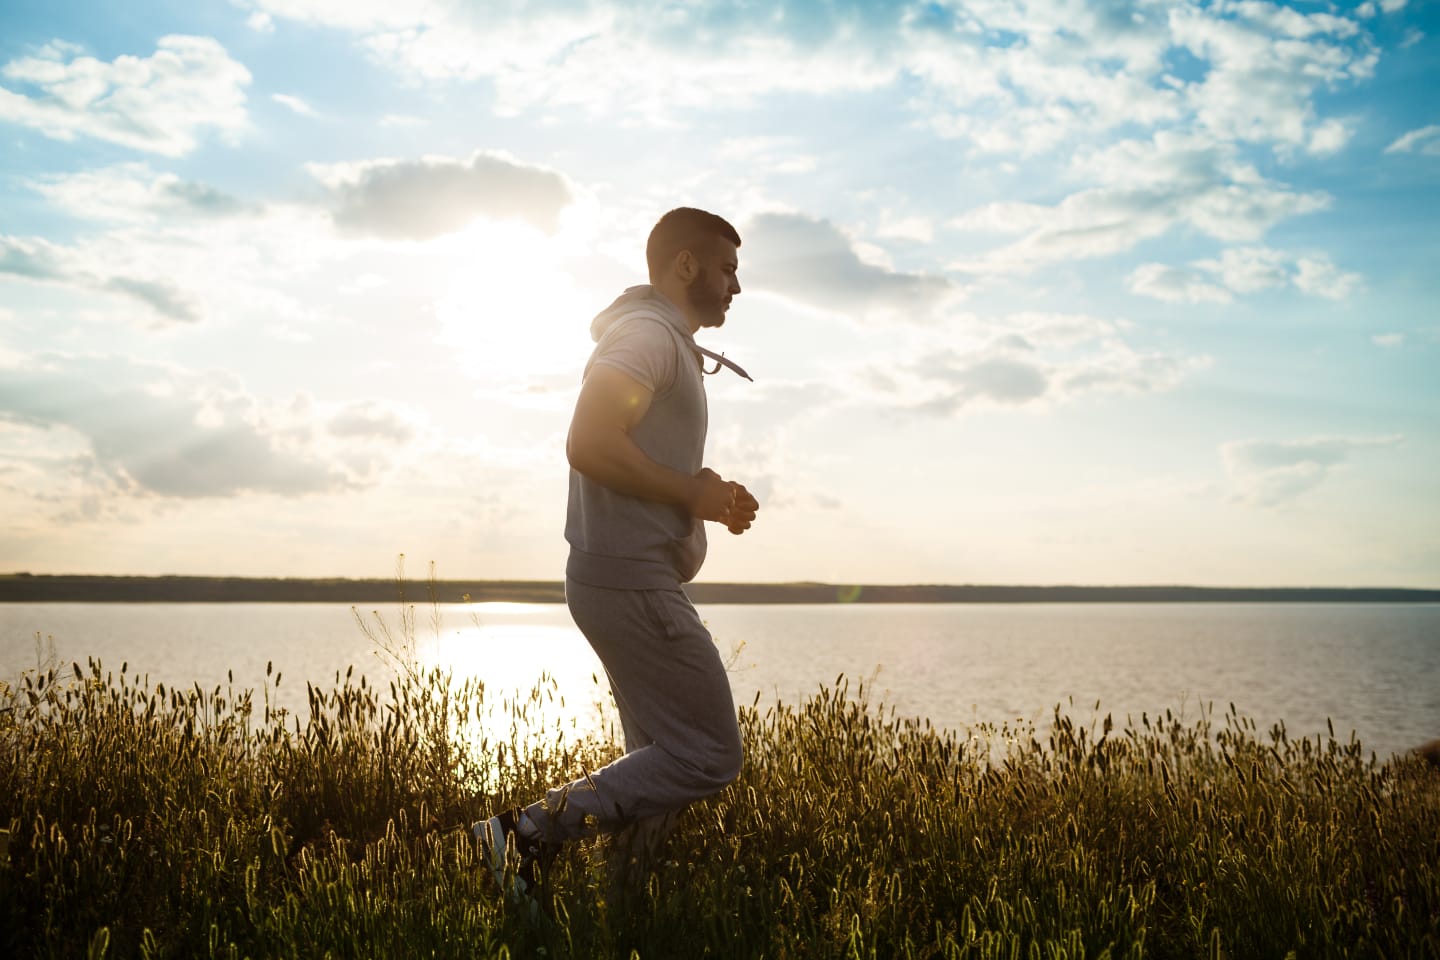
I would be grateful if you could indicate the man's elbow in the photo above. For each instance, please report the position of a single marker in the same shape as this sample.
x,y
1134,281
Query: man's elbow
x,y
581,454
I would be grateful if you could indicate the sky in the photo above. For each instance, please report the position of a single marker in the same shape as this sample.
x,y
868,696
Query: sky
x,y
1033,292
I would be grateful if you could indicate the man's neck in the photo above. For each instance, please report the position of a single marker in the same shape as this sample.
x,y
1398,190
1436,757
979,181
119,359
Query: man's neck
x,y
678,298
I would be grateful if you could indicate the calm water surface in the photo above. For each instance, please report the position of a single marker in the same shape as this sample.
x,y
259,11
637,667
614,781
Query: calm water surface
x,y
1369,668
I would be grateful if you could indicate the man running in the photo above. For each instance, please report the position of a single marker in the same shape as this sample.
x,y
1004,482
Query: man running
x,y
639,494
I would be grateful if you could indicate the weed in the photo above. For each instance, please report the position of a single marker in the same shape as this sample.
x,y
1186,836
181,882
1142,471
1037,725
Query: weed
x,y
157,822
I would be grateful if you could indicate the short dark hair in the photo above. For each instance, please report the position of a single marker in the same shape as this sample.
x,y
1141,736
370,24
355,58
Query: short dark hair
x,y
684,228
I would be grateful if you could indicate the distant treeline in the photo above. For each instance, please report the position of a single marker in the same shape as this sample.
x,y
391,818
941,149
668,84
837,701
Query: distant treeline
x,y
24,587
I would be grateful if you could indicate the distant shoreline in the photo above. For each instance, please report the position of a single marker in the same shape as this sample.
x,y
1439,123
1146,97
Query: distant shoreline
x,y
44,588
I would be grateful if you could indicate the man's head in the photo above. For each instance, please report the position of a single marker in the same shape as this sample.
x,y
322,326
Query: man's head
x,y
693,260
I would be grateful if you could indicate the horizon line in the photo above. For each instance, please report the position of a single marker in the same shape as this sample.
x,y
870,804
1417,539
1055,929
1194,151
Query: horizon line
x,y
30,587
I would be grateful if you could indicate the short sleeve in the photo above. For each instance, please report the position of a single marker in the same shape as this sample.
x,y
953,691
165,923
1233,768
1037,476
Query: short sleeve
x,y
641,348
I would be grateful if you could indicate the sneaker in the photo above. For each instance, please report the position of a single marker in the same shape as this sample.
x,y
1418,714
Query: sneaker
x,y
497,837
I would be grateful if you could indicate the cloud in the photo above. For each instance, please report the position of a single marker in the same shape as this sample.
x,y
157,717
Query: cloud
x,y
1109,220
419,200
134,193
811,260
1319,277
1148,188
1174,285
990,375
373,421
158,104
651,61
1424,141
31,259
1388,340
40,261
1272,473
1021,77
776,155
1244,270
1329,136
360,15
1023,360
915,229
165,432
1265,66
294,104
164,298
179,251
1249,269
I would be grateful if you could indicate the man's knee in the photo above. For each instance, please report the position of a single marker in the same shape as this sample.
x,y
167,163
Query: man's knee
x,y
723,764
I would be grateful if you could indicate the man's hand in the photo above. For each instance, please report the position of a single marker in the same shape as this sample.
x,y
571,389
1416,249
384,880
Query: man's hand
x,y
723,501
742,510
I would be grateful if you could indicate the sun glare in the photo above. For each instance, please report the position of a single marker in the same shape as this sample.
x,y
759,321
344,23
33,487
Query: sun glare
x,y
540,678
511,311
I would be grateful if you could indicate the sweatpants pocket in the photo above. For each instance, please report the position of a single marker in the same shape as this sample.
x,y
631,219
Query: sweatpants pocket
x,y
660,606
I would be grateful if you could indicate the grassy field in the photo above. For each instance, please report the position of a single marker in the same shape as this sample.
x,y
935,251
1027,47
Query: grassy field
x,y
155,822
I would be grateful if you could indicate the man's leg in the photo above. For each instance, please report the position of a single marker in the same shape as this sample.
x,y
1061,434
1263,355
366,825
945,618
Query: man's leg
x,y
639,841
674,698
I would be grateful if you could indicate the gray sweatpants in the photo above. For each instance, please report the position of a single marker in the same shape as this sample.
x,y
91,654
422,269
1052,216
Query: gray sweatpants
x,y
681,739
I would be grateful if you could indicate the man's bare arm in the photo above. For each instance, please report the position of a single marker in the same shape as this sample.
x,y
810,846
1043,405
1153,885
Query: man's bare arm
x,y
599,446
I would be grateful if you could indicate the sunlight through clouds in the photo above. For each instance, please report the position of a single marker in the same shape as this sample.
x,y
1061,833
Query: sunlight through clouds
x,y
517,326
315,278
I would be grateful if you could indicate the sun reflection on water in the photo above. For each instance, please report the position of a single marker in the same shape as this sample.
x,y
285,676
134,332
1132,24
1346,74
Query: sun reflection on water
x,y
541,679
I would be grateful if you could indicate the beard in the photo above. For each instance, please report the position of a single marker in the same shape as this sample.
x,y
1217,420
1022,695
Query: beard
x,y
708,305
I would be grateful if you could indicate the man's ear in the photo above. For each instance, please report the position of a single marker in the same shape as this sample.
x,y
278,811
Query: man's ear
x,y
686,266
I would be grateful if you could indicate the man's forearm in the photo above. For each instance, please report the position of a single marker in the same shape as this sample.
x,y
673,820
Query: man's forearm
x,y
617,463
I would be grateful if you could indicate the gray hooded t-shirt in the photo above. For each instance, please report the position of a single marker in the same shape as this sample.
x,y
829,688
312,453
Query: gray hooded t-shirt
x,y
620,541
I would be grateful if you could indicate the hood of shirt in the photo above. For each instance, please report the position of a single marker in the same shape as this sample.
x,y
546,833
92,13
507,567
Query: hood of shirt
x,y
642,300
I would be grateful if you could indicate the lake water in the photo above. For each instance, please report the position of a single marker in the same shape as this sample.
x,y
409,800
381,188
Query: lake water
x,y
1369,668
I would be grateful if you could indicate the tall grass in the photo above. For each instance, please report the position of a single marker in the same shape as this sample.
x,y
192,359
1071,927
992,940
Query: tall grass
x,y
157,822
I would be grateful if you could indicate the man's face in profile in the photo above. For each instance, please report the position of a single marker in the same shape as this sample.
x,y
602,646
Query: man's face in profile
x,y
715,283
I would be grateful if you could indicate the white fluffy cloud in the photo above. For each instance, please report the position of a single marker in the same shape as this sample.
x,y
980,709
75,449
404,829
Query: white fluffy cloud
x,y
1317,276
1174,285
1067,70
813,261
1266,63
1147,189
40,261
1064,71
1243,270
1424,141
294,104
158,104
134,193
423,199
1275,472
167,433
182,251
1023,360
651,60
